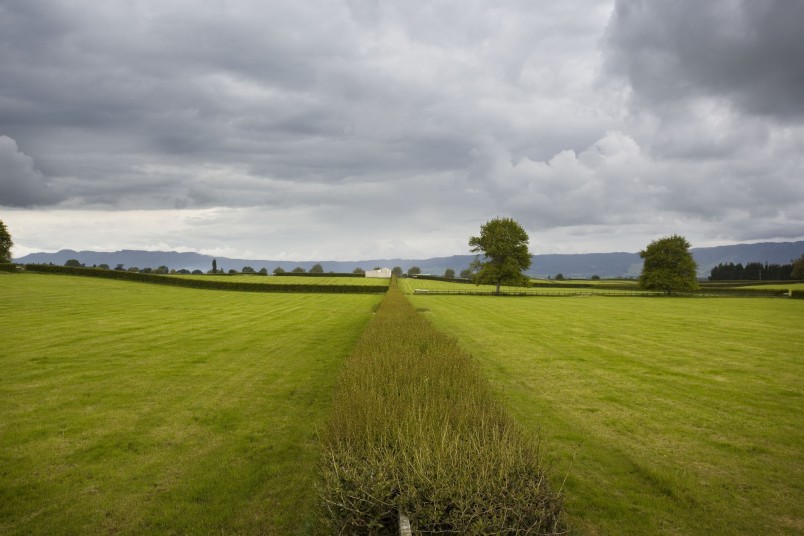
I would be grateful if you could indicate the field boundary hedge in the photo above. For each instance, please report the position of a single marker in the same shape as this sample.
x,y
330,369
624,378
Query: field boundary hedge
x,y
797,294
8,267
313,274
204,284
415,429
428,277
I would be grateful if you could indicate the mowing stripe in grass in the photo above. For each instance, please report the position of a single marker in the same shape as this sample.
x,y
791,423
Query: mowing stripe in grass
x,y
141,409
686,415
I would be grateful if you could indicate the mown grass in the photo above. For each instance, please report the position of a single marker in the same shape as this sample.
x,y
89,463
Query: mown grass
x,y
779,286
134,408
684,416
414,428
292,280
591,282
408,286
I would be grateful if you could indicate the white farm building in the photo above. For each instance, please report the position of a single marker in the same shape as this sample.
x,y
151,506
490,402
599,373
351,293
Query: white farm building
x,y
382,272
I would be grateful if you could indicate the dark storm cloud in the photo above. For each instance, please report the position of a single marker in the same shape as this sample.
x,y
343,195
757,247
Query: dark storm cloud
x,y
21,184
747,52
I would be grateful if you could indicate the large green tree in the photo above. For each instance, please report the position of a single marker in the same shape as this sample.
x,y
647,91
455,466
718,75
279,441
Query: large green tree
x,y
503,244
668,266
5,243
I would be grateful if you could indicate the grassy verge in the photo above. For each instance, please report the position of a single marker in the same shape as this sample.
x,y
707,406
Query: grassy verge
x,y
685,414
130,408
414,427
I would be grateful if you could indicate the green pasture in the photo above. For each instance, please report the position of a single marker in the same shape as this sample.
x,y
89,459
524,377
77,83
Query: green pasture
x,y
292,280
409,285
591,282
135,408
779,286
669,415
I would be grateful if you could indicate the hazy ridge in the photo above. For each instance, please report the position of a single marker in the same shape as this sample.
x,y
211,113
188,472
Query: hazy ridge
x,y
618,264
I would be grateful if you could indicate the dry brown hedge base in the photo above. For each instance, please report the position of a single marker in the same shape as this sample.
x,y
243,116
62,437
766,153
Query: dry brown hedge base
x,y
414,428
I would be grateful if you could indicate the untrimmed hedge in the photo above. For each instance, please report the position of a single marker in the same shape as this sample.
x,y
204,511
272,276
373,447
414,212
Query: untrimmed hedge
x,y
415,428
798,294
8,267
204,283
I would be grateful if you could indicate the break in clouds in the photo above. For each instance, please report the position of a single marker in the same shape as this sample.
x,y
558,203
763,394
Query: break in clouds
x,y
290,125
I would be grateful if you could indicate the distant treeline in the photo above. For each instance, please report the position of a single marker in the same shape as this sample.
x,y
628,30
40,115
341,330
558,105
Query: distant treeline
x,y
753,271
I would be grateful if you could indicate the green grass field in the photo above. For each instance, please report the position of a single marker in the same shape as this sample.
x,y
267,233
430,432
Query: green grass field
x,y
292,280
409,285
779,286
684,416
135,408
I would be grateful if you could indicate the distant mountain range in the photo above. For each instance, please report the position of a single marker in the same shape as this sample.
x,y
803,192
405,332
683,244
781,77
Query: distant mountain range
x,y
585,265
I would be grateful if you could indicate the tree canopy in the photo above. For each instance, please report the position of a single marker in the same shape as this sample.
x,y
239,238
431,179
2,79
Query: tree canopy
x,y
317,269
798,268
5,243
504,246
668,266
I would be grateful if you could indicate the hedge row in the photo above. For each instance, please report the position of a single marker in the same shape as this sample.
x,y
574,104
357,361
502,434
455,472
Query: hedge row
x,y
441,278
204,283
8,267
736,293
798,294
309,274
415,428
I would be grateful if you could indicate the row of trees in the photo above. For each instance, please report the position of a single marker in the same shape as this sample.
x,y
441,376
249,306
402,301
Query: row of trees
x,y
503,255
757,271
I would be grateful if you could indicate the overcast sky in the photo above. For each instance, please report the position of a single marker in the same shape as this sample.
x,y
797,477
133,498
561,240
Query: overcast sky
x,y
358,129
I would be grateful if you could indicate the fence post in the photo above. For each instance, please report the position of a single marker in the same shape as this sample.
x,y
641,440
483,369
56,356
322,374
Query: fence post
x,y
404,525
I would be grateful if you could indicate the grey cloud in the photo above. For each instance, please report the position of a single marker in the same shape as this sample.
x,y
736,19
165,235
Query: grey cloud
x,y
21,184
313,91
332,114
744,51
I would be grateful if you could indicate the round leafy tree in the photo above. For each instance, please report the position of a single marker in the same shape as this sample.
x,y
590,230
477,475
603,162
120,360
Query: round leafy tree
x,y
504,246
668,266
5,243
